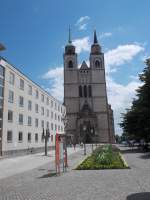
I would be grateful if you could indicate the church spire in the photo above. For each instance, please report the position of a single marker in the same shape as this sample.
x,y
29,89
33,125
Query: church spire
x,y
95,37
95,48
69,39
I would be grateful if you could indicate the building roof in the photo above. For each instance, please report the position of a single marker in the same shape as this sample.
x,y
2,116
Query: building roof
x,y
84,65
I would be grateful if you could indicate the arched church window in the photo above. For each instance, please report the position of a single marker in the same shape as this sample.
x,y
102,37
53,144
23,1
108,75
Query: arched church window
x,y
90,90
97,64
85,91
80,91
70,64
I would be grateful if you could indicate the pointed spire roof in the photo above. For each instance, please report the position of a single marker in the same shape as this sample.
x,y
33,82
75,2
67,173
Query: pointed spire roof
x,y
69,38
84,65
95,37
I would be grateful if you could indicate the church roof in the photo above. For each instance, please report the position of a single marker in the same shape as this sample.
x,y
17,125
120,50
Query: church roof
x,y
84,65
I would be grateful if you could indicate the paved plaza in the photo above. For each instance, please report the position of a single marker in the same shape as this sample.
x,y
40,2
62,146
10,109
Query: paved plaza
x,y
41,183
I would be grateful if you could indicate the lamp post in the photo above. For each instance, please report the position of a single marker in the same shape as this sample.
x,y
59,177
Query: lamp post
x,y
84,138
45,136
65,121
92,132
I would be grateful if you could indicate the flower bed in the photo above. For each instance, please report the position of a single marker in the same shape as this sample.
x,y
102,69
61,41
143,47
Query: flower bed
x,y
105,157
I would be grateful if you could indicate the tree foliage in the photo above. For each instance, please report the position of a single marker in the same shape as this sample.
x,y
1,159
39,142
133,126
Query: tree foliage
x,y
136,120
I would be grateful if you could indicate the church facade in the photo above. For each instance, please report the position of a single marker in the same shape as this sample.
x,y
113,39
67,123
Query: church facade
x,y
89,116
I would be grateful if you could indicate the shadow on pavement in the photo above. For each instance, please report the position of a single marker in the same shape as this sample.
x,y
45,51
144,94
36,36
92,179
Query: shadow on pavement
x,y
139,196
146,156
131,151
48,175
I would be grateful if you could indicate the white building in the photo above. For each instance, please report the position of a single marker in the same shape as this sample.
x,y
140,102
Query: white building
x,y
25,109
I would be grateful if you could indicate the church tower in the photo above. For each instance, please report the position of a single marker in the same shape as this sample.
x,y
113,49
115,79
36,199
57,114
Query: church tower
x,y
85,96
71,100
99,93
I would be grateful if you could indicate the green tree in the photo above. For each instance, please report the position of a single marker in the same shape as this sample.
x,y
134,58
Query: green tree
x,y
136,121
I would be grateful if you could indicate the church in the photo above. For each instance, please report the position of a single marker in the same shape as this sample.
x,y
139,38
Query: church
x,y
89,116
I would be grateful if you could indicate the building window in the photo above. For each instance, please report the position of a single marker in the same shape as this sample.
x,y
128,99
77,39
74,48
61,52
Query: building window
x,y
80,91
29,137
36,122
42,97
1,70
29,105
97,64
37,94
1,123
42,110
51,104
1,81
21,84
29,121
58,107
20,137
21,101
36,137
58,118
10,115
9,136
11,96
36,108
47,101
55,106
51,126
61,109
51,114
47,125
11,78
29,89
70,64
1,102
1,91
1,113
47,113
55,116
90,90
20,119
42,123
85,91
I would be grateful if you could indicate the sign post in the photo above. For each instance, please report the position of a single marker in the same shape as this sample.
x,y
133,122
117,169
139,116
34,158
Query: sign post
x,y
57,151
60,153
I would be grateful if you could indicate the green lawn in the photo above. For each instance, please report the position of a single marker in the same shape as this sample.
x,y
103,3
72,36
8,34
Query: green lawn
x,y
105,157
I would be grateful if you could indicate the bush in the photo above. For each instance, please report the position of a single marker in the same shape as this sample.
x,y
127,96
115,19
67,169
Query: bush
x,y
104,157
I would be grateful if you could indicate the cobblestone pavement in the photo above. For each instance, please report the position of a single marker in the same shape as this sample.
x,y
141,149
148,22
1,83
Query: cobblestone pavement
x,y
42,184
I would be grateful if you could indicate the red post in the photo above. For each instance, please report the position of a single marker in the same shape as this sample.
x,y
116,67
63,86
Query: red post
x,y
57,159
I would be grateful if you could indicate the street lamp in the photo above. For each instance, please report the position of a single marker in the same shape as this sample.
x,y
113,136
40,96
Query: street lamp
x,y
84,138
65,121
92,132
45,136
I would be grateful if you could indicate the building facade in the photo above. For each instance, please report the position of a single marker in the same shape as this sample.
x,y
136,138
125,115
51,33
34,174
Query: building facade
x,y
85,97
25,110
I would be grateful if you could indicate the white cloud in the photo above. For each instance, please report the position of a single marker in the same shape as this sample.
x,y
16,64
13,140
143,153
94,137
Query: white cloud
x,y
121,55
82,44
120,97
82,22
56,76
105,35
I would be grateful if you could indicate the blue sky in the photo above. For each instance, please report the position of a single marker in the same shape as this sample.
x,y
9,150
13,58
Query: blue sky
x,y
35,32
